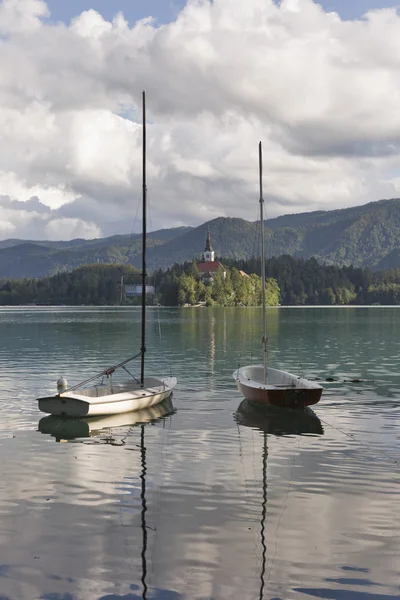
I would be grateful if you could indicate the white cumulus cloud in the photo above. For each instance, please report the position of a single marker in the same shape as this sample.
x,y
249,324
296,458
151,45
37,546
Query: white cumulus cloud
x,y
321,93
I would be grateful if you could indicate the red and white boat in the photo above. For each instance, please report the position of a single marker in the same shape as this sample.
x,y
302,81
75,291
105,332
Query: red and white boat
x,y
278,388
260,383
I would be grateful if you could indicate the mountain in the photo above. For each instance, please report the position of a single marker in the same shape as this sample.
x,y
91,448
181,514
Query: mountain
x,y
363,236
19,258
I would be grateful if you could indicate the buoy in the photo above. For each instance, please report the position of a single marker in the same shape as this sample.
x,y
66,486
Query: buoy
x,y
62,384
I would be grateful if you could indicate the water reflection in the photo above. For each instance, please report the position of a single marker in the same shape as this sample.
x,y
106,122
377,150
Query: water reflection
x,y
157,594
64,429
278,422
326,510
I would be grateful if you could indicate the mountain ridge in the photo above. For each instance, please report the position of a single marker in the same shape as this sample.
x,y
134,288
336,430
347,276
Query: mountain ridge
x,y
362,236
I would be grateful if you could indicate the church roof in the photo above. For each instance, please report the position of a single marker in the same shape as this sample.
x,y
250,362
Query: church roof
x,y
209,266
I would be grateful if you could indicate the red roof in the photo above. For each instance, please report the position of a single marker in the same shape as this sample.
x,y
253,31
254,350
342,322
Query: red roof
x,y
209,266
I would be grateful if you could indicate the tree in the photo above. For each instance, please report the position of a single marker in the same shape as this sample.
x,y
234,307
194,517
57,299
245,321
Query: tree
x,y
218,291
271,292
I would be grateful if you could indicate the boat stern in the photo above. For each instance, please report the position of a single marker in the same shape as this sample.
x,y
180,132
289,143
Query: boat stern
x,y
63,406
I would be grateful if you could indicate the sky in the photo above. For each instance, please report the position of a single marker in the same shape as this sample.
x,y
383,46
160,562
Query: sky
x,y
165,11
317,83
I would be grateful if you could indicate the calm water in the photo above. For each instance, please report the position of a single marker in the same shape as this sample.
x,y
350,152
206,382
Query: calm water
x,y
213,500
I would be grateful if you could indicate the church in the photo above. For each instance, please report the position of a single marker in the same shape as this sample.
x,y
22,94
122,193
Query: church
x,y
208,267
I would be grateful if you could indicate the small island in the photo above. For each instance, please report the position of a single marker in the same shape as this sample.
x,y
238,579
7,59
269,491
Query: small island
x,y
290,281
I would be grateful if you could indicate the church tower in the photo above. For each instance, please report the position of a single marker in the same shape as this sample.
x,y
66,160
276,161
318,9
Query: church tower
x,y
208,254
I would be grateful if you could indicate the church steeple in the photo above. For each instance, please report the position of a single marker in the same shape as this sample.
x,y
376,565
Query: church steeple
x,y
208,242
208,254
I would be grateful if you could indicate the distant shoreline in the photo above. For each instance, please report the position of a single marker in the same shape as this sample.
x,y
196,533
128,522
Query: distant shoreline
x,y
128,306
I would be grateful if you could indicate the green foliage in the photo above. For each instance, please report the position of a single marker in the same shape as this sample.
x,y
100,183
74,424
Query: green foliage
x,y
178,285
92,284
305,282
289,281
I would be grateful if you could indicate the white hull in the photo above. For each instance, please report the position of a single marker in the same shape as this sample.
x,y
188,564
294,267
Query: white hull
x,y
67,428
104,400
282,389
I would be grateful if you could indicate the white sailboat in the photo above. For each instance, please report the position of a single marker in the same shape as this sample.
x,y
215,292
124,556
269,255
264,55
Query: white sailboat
x,y
68,428
108,398
260,383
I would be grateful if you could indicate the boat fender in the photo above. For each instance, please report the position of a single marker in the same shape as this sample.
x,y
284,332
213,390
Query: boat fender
x,y
62,384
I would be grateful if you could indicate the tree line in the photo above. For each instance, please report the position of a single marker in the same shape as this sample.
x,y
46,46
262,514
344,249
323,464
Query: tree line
x,y
289,281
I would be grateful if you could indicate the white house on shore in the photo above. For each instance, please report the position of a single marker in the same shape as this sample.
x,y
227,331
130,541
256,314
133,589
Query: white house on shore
x,y
136,290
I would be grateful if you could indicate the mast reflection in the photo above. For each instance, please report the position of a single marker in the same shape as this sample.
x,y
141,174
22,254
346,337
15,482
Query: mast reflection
x,y
278,422
143,512
65,429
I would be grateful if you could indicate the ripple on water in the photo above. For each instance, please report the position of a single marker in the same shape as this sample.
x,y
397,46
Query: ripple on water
x,y
232,506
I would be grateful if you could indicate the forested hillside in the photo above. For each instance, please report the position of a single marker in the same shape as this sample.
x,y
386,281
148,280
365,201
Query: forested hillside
x,y
363,236
290,281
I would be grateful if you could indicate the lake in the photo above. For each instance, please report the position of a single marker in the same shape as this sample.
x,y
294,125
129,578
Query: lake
x,y
206,499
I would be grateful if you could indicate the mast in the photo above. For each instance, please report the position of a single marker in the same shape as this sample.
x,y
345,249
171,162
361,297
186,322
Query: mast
x,y
264,311
144,200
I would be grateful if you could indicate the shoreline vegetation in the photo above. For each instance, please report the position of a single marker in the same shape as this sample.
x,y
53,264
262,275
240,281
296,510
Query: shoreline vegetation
x,y
289,282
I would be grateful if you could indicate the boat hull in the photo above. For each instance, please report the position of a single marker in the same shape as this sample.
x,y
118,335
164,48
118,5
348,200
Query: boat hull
x,y
282,390
69,428
98,402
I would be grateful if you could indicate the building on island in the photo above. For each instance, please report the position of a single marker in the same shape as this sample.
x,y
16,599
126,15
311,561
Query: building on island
x,y
136,290
209,267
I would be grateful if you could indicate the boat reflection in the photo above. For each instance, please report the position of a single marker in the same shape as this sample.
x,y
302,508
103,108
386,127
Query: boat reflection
x,y
70,428
278,421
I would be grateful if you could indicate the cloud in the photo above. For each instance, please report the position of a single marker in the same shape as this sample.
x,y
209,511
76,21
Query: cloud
x,y
19,219
321,93
21,15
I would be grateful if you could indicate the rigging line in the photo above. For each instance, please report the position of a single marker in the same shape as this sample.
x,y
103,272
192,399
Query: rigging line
x,y
138,205
244,322
107,372
129,373
261,233
159,321
119,517
128,552
241,457
148,198
360,443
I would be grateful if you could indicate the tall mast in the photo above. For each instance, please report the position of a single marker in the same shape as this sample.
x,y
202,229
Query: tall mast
x,y
264,311
144,200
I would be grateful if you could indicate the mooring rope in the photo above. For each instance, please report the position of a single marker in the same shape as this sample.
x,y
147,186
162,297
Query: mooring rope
x,y
351,436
